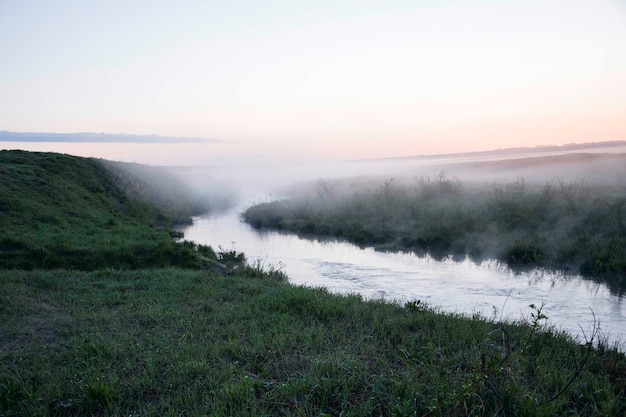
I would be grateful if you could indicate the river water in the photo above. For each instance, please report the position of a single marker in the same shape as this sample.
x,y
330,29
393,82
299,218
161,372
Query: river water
x,y
461,287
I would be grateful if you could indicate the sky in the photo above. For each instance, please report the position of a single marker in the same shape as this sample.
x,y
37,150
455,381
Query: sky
x,y
324,79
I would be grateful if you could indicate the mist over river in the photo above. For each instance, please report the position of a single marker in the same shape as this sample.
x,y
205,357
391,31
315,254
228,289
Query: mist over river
x,y
464,287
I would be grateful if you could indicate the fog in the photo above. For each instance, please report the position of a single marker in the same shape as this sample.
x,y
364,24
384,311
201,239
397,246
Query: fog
x,y
244,182
432,228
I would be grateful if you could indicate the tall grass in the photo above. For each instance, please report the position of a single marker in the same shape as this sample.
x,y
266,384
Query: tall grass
x,y
567,226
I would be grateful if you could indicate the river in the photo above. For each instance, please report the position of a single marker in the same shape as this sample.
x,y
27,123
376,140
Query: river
x,y
463,287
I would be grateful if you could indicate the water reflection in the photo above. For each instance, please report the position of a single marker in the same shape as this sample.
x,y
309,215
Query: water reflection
x,y
487,288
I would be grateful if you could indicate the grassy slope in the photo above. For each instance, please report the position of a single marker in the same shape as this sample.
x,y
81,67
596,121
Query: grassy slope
x,y
159,191
173,341
63,211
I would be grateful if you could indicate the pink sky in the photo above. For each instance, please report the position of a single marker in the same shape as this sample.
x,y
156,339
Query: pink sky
x,y
329,79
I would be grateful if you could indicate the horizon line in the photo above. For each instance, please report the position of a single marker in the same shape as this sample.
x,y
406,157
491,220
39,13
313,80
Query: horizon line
x,y
102,137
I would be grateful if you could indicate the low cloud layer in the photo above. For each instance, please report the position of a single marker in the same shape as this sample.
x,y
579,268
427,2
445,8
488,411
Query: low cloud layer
x,y
89,137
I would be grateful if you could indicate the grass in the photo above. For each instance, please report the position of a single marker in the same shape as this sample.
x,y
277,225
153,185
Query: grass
x,y
172,341
210,335
59,211
166,199
564,226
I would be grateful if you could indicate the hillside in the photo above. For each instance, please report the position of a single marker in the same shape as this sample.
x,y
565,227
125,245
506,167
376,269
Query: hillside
x,y
64,211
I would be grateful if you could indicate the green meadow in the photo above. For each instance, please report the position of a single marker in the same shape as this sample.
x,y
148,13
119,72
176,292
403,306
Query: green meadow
x,y
104,312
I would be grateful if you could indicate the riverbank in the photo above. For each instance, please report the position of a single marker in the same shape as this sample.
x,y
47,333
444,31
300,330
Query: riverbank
x,y
465,287
215,336
558,225
168,341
